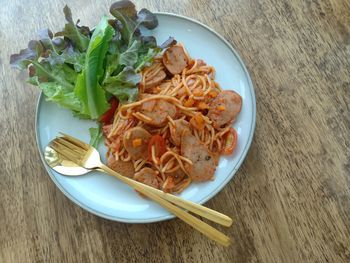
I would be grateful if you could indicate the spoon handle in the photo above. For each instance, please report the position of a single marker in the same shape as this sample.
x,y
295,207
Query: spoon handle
x,y
199,225
198,209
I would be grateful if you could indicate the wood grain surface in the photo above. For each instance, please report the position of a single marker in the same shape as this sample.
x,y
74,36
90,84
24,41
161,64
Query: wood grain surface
x,y
291,197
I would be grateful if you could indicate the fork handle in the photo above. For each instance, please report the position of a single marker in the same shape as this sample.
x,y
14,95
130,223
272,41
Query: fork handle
x,y
198,209
199,225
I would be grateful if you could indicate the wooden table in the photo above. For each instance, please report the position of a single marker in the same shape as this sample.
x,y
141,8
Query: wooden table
x,y
291,197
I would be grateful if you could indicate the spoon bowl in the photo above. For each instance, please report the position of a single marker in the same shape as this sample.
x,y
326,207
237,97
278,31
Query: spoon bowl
x,y
62,165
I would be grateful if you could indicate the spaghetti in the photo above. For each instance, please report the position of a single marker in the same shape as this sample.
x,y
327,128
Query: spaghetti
x,y
168,105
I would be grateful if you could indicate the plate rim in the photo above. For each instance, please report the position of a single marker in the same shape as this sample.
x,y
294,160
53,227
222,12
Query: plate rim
x,y
205,199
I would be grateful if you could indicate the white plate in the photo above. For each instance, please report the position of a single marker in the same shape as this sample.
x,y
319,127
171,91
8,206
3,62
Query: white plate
x,y
105,196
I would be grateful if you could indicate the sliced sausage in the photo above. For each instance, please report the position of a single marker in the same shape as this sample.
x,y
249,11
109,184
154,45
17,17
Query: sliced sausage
x,y
203,161
157,89
158,110
224,108
124,168
177,130
154,81
148,105
147,176
174,59
135,142
173,181
201,62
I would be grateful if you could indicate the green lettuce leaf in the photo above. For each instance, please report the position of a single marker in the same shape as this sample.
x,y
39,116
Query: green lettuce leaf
x,y
23,59
88,88
95,136
130,51
60,74
58,94
145,59
66,99
124,85
78,35
125,12
147,19
74,58
54,64
129,57
130,20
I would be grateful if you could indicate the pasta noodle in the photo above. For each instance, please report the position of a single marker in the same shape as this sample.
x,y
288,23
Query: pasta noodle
x,y
190,93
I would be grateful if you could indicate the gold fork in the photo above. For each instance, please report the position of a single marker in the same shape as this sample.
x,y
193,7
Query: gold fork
x,y
88,157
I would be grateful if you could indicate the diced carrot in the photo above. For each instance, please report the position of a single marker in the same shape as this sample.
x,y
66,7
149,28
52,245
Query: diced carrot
x,y
213,94
189,102
221,108
202,105
198,92
136,142
190,63
197,121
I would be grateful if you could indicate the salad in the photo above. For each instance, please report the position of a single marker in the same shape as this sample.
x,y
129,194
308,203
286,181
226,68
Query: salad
x,y
89,71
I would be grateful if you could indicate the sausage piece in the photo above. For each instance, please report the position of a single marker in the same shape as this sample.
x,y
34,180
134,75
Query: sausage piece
x,y
224,108
203,161
147,176
177,130
174,59
154,81
158,110
174,181
124,168
135,142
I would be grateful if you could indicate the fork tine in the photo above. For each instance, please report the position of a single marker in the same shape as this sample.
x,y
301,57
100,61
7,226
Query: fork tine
x,y
66,142
60,152
67,152
63,148
75,141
